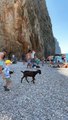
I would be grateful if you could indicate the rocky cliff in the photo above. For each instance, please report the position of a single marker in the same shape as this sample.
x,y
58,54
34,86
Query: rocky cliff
x,y
57,47
25,24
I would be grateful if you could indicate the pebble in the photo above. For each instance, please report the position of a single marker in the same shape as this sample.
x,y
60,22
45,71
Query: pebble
x,y
47,99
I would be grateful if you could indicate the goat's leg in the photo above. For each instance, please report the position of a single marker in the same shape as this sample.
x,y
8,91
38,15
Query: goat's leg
x,y
22,79
33,80
26,79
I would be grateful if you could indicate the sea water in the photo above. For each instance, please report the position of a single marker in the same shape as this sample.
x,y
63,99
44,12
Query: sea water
x,y
66,57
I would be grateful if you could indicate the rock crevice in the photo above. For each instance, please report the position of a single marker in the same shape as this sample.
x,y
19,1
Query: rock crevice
x,y
25,24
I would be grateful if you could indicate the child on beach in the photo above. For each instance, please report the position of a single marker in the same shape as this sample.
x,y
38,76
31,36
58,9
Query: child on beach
x,y
6,75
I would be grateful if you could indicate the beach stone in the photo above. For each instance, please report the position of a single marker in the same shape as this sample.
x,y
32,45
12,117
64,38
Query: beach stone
x,y
47,99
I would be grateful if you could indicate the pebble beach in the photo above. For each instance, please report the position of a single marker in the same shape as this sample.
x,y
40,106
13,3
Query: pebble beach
x,y
47,99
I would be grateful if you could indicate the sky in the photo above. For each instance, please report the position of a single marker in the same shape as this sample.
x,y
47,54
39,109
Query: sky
x,y
58,12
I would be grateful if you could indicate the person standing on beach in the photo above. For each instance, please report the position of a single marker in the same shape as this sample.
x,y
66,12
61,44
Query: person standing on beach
x,y
28,58
6,75
1,62
24,58
2,56
33,54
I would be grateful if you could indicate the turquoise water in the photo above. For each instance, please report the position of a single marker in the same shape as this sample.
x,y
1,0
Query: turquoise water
x,y
67,57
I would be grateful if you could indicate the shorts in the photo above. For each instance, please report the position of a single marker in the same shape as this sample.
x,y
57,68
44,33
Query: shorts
x,y
8,79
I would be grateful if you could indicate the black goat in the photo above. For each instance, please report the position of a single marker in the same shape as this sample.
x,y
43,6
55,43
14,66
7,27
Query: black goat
x,y
30,74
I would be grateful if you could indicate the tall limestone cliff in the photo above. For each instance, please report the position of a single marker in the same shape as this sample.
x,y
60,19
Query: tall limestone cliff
x,y
25,24
57,47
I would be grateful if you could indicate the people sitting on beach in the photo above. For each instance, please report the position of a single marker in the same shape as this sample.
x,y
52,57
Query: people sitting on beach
x,y
60,65
37,60
65,65
32,59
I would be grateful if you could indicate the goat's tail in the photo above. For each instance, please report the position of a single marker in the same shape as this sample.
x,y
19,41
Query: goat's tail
x,y
22,71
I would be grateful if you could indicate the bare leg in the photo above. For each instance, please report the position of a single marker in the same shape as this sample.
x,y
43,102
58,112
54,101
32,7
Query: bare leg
x,y
8,83
0,69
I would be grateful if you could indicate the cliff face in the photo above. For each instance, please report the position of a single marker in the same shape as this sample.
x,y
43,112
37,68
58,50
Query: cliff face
x,y
25,24
57,47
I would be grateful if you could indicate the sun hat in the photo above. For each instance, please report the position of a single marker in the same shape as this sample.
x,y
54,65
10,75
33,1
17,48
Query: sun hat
x,y
8,62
